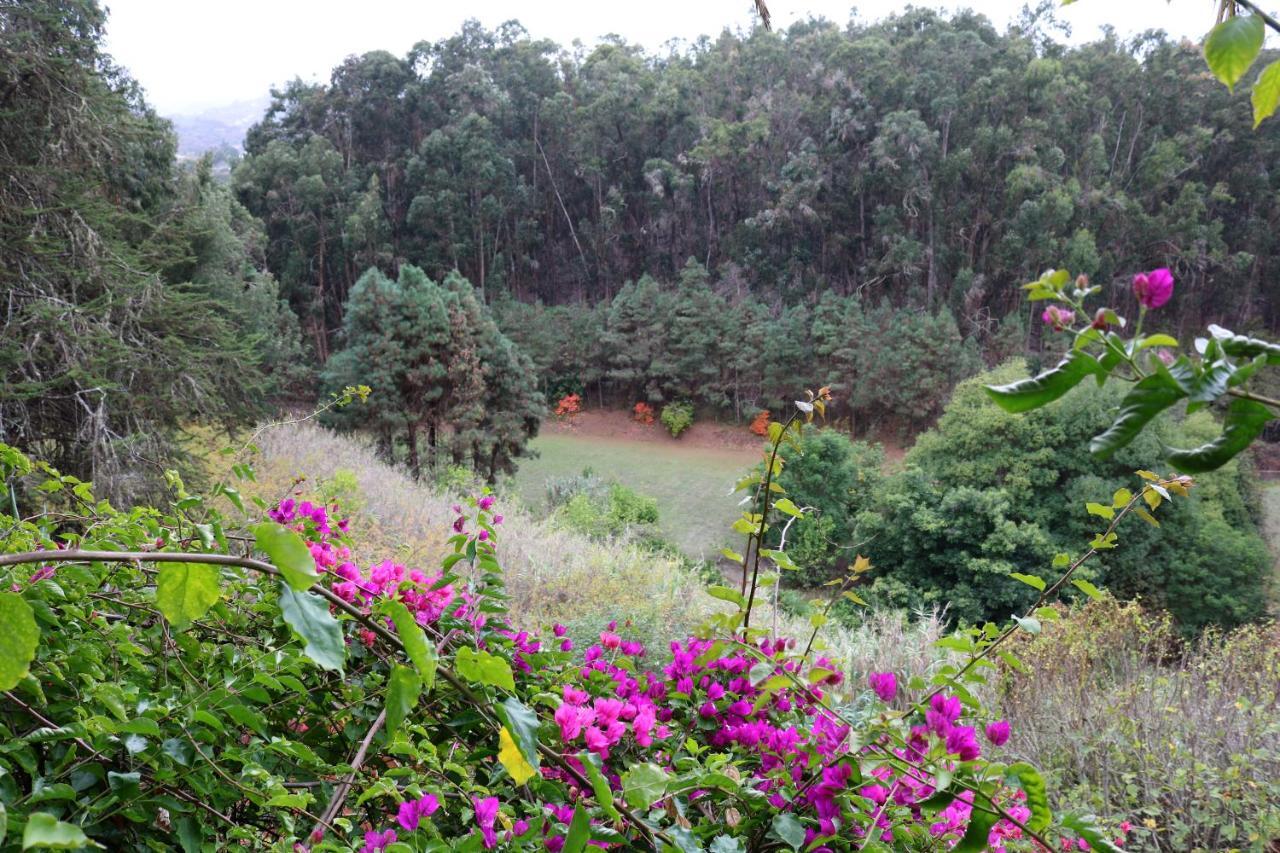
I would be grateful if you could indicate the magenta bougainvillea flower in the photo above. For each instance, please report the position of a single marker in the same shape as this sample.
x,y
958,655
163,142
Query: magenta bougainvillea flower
x,y
412,812
1058,317
374,842
1154,288
486,814
998,732
885,685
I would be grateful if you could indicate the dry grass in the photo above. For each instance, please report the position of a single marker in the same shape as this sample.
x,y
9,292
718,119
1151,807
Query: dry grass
x,y
1183,740
553,574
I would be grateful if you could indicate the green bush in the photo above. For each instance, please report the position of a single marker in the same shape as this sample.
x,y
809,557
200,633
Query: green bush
x,y
986,493
836,478
677,417
616,512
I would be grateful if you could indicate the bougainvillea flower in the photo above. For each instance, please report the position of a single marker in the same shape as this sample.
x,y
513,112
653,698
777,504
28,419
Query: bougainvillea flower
x,y
885,685
486,814
1058,317
412,812
1153,289
998,732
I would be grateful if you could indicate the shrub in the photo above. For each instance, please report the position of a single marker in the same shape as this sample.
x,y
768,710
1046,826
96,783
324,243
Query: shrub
x,y
677,417
987,491
760,423
568,406
616,513
837,478
642,413
561,489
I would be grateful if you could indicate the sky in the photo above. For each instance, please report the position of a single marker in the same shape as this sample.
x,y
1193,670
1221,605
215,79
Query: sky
x,y
191,55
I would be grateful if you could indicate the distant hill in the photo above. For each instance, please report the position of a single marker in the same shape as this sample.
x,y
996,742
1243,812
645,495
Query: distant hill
x,y
218,129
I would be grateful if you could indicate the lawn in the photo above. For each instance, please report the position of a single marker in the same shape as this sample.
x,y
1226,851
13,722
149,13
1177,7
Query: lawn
x,y
692,483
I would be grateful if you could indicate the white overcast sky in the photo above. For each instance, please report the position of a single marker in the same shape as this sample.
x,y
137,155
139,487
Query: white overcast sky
x,y
194,54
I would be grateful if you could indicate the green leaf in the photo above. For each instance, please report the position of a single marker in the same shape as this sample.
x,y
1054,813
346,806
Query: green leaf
x,y
403,689
643,785
124,785
186,591
1086,826
1030,780
1121,497
599,785
1101,510
480,667
47,832
786,505
1244,422
1030,624
523,725
420,652
18,640
979,830
1148,398
788,829
724,593
1241,346
308,615
289,552
1157,341
1266,93
1232,46
1087,588
579,831
1029,580
1032,393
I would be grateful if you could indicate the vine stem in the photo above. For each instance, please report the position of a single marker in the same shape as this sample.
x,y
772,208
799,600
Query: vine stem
x,y
73,556
1266,18
340,794
763,504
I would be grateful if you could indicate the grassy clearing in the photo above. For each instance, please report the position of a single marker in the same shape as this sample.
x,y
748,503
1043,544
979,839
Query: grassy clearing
x,y
692,484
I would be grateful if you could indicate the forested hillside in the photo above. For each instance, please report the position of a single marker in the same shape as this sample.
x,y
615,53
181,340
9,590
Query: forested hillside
x,y
920,165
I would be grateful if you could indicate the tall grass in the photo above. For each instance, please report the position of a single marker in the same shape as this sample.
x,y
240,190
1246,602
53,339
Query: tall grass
x,y
1181,739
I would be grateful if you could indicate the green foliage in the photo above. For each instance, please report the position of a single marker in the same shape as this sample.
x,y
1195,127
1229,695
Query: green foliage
x,y
836,478
604,512
988,493
136,305
447,371
677,417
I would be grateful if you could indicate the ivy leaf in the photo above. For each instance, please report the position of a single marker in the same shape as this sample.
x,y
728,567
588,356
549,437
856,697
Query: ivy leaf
x,y
308,615
522,723
1266,93
1244,422
787,828
481,667
46,832
421,653
403,689
1145,400
1086,826
288,552
186,591
18,640
643,785
1034,392
1232,46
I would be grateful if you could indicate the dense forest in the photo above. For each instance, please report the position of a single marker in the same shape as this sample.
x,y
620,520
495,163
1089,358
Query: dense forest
x,y
918,170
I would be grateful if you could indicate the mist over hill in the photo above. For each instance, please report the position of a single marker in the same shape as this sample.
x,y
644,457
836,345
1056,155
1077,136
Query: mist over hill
x,y
219,129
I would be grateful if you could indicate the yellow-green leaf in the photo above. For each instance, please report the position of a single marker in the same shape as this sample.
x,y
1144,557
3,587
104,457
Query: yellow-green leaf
x,y
287,550
1087,588
18,640
512,759
186,591
1232,46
